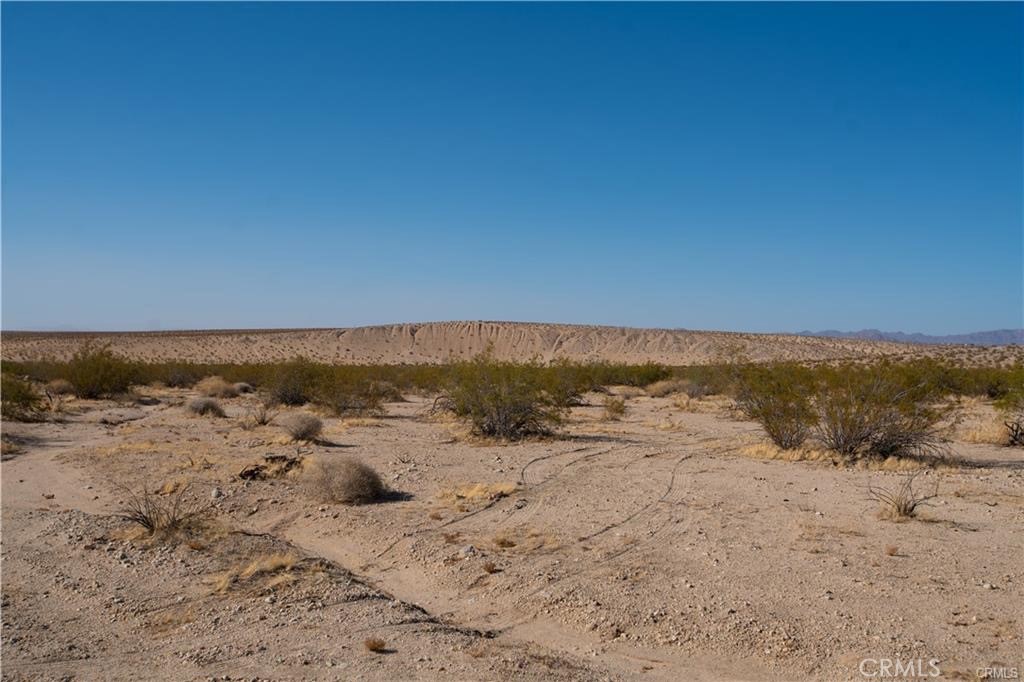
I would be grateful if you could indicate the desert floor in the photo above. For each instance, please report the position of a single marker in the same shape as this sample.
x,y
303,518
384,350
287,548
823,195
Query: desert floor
x,y
664,546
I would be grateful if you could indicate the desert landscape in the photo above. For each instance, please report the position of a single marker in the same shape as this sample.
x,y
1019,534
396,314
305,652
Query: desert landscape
x,y
654,532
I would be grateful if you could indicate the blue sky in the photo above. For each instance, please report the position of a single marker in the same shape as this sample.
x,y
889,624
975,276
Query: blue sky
x,y
744,167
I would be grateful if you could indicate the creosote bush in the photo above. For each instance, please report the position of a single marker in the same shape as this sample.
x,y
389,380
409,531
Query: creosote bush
x,y
205,407
98,373
302,426
19,400
505,400
778,402
343,480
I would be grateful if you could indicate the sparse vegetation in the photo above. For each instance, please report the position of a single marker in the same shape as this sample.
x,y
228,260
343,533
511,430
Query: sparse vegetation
x,y
18,399
502,400
205,407
778,402
216,387
614,408
344,480
162,517
98,373
376,645
902,502
261,415
302,426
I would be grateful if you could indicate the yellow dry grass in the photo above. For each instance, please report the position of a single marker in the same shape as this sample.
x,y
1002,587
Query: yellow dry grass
x,y
476,492
275,567
766,450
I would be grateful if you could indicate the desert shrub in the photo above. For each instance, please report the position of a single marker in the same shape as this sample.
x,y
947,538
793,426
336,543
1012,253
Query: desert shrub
x,y
614,408
18,399
302,426
294,382
216,387
205,407
178,375
1011,407
868,414
261,415
59,387
162,517
97,373
502,399
777,400
243,387
344,398
344,480
902,501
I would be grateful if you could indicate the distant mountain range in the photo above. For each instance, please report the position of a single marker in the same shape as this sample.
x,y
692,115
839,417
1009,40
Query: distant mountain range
x,y
996,337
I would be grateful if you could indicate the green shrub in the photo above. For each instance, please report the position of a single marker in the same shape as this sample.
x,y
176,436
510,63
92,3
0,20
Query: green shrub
x,y
19,401
98,373
777,400
347,399
868,413
293,382
503,399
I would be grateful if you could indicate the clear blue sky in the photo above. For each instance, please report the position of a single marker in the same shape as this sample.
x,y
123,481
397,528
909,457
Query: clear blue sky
x,y
744,167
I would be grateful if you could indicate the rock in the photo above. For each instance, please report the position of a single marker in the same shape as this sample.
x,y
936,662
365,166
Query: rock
x,y
216,494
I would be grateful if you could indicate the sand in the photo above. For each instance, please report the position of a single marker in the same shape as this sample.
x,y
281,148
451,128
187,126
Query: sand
x,y
443,341
663,547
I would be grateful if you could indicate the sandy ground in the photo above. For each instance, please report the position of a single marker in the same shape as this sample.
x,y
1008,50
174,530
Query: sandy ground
x,y
444,341
664,546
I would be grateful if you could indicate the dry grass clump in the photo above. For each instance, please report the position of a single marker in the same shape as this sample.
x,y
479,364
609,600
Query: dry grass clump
x,y
263,573
1015,429
901,503
216,387
302,426
205,407
163,517
344,480
774,452
243,387
259,415
614,408
474,493
59,387
626,392
376,645
692,389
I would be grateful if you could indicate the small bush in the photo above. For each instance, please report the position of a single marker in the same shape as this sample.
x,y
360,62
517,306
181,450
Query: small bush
x,y
18,399
261,415
59,387
344,481
902,502
216,387
614,408
162,517
502,399
243,387
302,426
205,407
376,645
181,375
97,373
